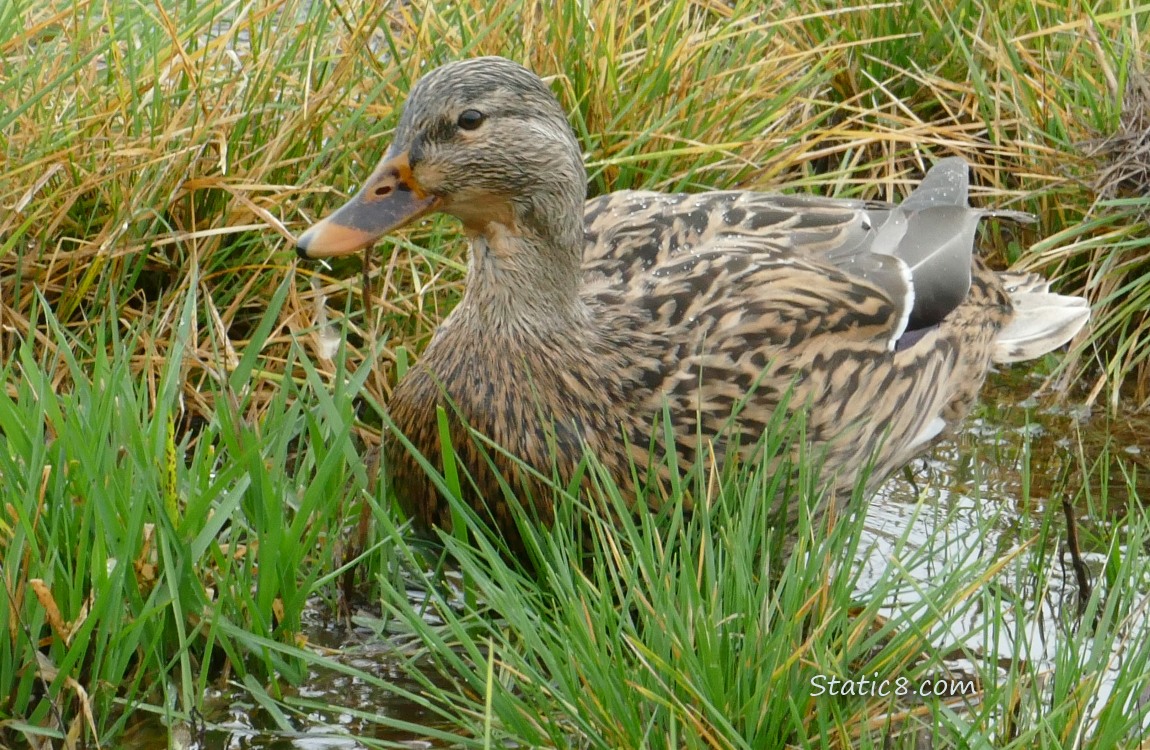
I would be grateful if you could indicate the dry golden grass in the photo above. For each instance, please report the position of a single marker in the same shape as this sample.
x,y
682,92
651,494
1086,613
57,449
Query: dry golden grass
x,y
149,150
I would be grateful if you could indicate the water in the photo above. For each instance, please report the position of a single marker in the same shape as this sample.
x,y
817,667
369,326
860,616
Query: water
x,y
977,513
232,720
967,502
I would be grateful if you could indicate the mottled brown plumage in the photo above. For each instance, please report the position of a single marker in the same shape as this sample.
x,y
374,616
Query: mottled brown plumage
x,y
582,323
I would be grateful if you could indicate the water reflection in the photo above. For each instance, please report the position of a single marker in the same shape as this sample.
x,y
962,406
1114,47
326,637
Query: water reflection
x,y
969,508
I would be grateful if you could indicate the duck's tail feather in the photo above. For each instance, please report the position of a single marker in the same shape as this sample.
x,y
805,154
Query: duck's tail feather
x,y
1021,282
1042,322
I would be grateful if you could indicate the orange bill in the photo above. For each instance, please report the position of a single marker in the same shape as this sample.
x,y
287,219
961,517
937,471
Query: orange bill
x,y
390,198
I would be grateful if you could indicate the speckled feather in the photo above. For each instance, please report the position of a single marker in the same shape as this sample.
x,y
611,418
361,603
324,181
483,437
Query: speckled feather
x,y
582,323
697,302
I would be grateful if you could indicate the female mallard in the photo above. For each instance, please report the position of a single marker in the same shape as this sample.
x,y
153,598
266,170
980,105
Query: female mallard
x,y
582,324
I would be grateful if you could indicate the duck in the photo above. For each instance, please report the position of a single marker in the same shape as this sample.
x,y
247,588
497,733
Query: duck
x,y
641,327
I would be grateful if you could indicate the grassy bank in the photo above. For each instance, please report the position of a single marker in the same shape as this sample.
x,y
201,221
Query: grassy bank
x,y
187,422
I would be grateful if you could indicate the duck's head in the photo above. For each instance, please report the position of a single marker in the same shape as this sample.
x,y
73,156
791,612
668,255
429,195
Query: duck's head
x,y
484,140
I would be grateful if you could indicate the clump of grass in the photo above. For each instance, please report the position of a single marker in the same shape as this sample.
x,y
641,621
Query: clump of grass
x,y
1113,243
1127,150
688,631
141,148
139,567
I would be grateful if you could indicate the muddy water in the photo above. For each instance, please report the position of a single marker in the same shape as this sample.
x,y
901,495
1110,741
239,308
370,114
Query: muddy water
x,y
971,482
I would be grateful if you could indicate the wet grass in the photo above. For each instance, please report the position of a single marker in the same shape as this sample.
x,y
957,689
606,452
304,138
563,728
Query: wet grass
x,y
186,445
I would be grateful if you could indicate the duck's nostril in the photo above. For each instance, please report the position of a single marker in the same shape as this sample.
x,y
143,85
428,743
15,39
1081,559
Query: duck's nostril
x,y
383,190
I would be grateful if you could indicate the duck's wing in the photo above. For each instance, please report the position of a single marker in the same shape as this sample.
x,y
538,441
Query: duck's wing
x,y
737,317
761,251
752,291
634,230
930,236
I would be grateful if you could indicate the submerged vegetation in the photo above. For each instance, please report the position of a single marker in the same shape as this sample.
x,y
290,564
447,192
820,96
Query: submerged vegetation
x,y
188,420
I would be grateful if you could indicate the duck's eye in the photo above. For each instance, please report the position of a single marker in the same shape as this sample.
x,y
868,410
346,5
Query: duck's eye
x,y
470,119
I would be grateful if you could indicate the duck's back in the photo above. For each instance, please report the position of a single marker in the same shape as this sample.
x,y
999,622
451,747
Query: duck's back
x,y
712,310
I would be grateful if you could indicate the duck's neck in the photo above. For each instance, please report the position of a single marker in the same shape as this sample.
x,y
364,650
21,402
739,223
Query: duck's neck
x,y
524,275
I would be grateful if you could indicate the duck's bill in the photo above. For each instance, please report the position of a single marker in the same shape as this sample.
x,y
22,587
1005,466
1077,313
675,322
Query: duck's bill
x,y
389,199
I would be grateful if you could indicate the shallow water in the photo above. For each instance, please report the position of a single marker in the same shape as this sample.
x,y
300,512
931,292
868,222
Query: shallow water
x,y
232,720
977,511
969,483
